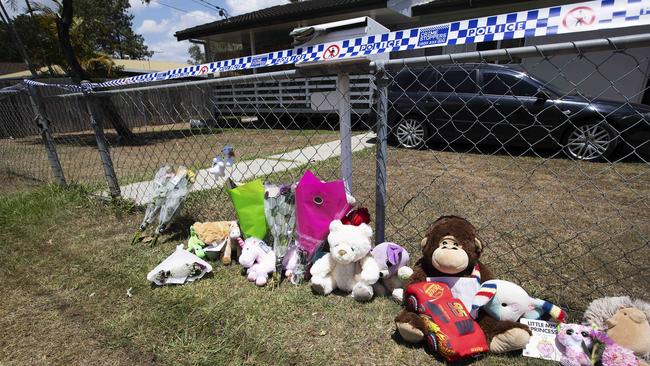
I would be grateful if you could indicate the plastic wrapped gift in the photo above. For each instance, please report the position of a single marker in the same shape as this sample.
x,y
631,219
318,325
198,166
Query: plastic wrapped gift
x,y
317,204
180,267
248,200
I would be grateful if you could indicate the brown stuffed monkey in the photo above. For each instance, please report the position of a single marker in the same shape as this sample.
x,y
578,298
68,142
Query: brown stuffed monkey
x,y
452,248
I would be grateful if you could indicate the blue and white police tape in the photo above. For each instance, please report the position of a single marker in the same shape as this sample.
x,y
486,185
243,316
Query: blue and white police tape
x,y
72,88
571,18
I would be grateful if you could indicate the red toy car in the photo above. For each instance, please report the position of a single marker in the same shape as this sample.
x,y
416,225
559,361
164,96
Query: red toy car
x,y
452,331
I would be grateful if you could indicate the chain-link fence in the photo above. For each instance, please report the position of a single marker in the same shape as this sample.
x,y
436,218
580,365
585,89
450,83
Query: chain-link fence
x,y
544,149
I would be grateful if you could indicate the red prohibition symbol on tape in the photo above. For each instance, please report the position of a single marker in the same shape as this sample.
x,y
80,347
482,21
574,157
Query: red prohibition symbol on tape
x,y
331,52
203,69
579,17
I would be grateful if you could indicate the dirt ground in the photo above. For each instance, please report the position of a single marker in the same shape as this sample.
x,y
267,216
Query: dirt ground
x,y
566,231
11,184
156,145
67,264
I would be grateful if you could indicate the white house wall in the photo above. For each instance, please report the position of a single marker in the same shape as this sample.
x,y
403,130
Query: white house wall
x,y
611,67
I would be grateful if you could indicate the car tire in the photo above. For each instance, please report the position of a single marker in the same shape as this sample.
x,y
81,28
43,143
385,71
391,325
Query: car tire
x,y
590,141
411,132
432,342
412,303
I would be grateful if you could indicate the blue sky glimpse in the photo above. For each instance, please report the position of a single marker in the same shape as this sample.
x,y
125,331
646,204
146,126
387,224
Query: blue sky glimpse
x,y
160,19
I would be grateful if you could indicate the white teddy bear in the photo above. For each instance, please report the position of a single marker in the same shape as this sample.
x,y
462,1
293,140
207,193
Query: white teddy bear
x,y
349,265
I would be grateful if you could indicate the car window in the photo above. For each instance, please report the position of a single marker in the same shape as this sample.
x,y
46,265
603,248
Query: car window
x,y
498,83
416,79
457,80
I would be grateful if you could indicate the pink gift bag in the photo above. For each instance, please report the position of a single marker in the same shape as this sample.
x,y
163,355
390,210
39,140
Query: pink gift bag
x,y
317,204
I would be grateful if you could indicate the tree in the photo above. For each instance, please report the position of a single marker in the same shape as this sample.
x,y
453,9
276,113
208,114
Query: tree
x,y
108,28
64,21
98,28
4,16
197,57
82,36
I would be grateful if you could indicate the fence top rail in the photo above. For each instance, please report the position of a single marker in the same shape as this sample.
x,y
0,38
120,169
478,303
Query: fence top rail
x,y
579,47
269,76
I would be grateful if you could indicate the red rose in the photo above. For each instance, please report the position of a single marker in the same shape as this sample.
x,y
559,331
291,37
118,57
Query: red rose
x,y
357,217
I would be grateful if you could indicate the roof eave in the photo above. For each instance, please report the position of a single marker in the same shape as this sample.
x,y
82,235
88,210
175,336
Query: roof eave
x,y
222,26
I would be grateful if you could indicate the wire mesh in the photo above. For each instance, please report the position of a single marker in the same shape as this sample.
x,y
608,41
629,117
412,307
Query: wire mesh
x,y
545,149
546,154
21,147
279,125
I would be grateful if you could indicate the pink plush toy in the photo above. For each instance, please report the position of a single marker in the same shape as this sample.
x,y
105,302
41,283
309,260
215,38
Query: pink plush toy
x,y
258,259
574,342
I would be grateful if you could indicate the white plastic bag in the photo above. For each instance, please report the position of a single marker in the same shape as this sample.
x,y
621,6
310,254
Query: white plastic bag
x,y
180,267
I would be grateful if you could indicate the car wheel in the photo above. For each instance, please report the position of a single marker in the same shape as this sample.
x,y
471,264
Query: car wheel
x,y
432,342
590,141
411,132
412,303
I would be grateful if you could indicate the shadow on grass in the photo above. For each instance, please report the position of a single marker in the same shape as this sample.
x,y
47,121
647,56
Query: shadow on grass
x,y
422,345
141,138
622,155
179,228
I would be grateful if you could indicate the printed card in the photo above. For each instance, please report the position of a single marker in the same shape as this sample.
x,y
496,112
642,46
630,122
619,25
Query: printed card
x,y
542,343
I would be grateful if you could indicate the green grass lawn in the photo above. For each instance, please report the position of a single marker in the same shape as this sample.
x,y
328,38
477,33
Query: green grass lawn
x,y
66,264
563,230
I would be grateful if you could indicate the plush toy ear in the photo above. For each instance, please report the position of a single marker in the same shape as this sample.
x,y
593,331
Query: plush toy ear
x,y
636,316
423,242
394,254
484,295
335,224
365,229
479,244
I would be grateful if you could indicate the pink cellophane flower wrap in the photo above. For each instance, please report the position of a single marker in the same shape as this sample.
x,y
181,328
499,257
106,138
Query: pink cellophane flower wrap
x,y
317,204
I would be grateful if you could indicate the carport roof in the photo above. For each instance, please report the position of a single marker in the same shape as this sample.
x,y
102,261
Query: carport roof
x,y
279,14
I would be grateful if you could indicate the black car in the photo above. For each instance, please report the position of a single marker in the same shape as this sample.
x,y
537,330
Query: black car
x,y
496,104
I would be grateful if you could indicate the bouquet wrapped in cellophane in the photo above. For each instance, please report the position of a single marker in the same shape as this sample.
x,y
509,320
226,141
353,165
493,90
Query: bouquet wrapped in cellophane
x,y
279,209
170,189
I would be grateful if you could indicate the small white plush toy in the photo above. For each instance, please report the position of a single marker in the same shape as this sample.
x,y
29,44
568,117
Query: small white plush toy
x,y
505,300
391,259
348,266
258,259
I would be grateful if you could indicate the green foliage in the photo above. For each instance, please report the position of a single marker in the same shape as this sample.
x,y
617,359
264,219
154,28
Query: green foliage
x,y
18,212
100,30
100,66
197,57
38,37
108,29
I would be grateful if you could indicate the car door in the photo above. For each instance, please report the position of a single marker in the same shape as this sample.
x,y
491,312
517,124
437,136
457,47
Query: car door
x,y
450,98
408,93
516,113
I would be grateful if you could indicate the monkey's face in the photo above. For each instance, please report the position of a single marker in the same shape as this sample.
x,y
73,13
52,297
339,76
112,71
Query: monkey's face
x,y
449,257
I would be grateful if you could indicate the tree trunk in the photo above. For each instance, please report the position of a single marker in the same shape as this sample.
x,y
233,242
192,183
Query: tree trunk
x,y
107,108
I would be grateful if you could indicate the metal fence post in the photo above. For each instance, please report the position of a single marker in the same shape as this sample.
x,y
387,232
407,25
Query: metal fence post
x,y
48,141
102,144
381,84
345,129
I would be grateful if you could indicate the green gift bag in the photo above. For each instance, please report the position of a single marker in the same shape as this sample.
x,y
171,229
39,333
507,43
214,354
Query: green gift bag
x,y
248,200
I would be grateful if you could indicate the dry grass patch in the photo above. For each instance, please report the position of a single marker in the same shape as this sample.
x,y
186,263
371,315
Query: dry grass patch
x,y
566,231
156,145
